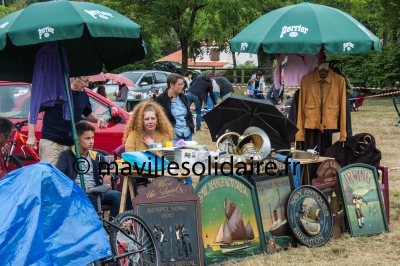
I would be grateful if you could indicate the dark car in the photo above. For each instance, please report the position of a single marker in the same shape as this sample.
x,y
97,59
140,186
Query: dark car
x,y
145,81
173,67
169,66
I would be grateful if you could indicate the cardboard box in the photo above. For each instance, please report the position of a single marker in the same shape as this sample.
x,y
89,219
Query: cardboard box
x,y
185,155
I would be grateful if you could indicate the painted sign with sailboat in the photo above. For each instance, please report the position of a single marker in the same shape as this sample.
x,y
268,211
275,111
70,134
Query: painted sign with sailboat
x,y
273,190
233,230
231,224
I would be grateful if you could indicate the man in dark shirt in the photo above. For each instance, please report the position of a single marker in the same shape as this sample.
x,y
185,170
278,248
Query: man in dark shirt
x,y
225,87
275,95
199,89
57,132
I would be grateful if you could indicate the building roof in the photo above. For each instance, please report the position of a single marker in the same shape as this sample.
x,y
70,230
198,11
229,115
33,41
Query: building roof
x,y
177,57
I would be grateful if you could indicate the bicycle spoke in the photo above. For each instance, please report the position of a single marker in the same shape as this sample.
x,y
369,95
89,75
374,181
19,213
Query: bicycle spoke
x,y
133,235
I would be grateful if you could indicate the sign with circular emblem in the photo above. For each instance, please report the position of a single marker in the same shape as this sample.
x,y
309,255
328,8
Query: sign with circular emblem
x,y
310,216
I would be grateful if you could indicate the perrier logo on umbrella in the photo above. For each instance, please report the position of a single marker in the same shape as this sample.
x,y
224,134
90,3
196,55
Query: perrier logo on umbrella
x,y
2,26
101,14
45,32
293,30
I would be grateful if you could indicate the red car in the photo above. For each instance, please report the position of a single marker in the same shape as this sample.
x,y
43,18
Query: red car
x,y
15,102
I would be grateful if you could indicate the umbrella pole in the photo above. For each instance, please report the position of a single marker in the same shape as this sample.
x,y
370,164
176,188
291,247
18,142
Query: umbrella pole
x,y
71,112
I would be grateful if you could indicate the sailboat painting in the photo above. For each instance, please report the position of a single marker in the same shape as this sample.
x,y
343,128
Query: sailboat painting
x,y
231,224
273,193
233,230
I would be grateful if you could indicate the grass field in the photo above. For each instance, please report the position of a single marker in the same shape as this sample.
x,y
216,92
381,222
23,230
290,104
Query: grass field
x,y
377,116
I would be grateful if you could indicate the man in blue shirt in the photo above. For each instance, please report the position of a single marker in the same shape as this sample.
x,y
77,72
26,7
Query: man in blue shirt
x,y
57,132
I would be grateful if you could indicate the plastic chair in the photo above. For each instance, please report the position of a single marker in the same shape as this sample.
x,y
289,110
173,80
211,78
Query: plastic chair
x,y
396,102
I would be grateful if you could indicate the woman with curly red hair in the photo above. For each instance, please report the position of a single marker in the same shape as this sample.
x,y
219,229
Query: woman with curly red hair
x,y
148,124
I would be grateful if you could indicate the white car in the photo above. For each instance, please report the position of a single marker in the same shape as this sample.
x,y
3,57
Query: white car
x,y
145,81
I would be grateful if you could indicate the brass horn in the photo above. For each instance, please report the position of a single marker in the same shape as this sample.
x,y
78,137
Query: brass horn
x,y
249,143
226,143
254,140
298,154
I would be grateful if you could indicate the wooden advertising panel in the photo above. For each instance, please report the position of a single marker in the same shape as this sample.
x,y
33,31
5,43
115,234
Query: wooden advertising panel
x,y
230,218
327,181
273,190
363,200
172,210
310,216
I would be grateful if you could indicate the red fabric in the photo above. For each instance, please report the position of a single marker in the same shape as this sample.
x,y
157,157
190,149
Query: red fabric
x,y
359,101
98,77
114,77
3,170
120,79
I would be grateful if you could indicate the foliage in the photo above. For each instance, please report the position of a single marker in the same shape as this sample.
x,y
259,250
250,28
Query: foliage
x,y
4,11
172,20
170,25
155,44
377,69
221,20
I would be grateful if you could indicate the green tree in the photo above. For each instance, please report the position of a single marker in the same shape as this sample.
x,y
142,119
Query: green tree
x,y
4,11
221,20
171,19
388,17
154,43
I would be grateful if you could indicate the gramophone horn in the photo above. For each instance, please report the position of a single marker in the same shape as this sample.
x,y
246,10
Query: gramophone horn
x,y
265,148
226,143
249,144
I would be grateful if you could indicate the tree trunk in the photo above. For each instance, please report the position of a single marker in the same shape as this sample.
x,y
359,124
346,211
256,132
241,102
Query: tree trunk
x,y
234,67
385,37
265,62
185,55
395,36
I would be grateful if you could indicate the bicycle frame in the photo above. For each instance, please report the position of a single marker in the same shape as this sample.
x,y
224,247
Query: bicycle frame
x,y
21,138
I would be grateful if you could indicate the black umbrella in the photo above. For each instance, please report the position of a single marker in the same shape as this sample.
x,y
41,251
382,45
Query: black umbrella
x,y
237,113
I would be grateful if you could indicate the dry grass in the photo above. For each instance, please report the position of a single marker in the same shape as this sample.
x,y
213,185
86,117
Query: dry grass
x,y
377,116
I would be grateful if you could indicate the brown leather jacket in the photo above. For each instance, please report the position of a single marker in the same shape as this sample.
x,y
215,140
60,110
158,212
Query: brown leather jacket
x,y
333,107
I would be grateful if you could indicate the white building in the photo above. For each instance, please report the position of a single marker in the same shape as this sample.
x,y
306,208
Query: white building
x,y
212,58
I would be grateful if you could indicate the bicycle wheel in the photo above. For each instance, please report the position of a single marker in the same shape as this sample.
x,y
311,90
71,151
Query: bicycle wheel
x,y
140,238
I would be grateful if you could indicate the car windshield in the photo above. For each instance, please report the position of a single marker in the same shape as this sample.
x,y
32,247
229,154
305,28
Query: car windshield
x,y
177,65
14,100
132,76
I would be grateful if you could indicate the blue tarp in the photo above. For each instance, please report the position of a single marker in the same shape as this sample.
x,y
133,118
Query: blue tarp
x,y
46,219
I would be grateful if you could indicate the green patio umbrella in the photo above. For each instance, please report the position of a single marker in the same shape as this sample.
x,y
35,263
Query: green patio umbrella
x,y
92,35
303,29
